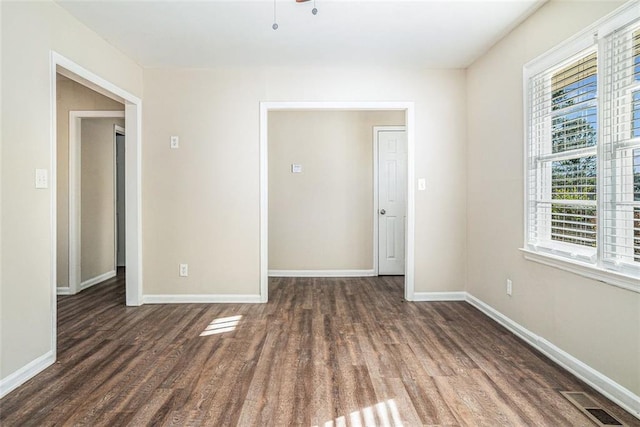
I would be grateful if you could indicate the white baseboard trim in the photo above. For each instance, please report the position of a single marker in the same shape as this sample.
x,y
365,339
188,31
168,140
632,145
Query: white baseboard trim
x,y
98,279
439,296
603,384
197,299
322,273
63,290
28,371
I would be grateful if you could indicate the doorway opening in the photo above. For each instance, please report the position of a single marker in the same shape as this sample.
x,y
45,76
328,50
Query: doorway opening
x,y
88,205
408,227
61,66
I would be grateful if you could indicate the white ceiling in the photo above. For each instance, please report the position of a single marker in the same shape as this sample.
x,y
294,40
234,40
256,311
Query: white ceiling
x,y
203,34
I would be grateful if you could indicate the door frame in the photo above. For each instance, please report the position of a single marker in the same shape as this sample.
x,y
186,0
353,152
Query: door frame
x,y
266,107
376,200
133,185
75,198
117,130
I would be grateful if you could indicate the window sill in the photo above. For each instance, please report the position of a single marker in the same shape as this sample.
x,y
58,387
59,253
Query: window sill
x,y
585,270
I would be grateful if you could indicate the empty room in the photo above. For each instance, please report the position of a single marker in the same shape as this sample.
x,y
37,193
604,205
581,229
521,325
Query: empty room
x,y
320,213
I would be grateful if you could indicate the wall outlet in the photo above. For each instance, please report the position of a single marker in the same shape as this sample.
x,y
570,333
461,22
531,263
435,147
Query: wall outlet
x,y
184,270
175,142
509,287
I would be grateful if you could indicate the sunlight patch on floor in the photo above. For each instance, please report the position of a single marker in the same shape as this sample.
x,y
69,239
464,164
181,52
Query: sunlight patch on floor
x,y
221,325
384,414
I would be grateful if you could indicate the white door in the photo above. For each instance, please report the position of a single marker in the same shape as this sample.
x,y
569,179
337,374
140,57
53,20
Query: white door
x,y
392,200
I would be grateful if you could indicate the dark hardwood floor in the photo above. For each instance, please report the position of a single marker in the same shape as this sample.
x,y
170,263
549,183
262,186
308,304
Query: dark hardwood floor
x,y
322,352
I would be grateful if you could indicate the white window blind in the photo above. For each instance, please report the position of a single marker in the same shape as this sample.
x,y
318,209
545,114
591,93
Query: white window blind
x,y
562,157
621,151
582,149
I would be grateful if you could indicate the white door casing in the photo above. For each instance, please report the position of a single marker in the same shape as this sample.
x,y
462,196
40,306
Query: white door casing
x,y
409,109
392,199
133,180
75,170
120,197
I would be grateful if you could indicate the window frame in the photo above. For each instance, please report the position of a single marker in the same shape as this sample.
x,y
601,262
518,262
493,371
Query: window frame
x,y
585,261
624,263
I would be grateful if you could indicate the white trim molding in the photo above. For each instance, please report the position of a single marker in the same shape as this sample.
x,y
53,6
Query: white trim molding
x,y
64,290
600,382
98,279
28,371
133,144
585,270
75,189
439,296
202,298
266,107
410,227
322,273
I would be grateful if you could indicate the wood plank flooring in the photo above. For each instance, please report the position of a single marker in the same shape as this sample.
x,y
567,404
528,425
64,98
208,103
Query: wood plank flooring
x,y
322,352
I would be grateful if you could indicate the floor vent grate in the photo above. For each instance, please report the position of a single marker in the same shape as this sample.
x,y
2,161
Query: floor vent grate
x,y
591,408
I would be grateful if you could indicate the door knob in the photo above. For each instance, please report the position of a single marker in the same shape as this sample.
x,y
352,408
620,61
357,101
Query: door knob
x,y
382,212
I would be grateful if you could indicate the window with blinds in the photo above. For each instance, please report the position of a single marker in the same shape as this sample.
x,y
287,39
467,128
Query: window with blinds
x,y
582,167
563,156
621,151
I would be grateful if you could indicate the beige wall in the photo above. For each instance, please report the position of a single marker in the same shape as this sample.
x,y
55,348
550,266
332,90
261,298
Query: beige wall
x,y
98,197
201,201
321,219
70,96
30,30
597,323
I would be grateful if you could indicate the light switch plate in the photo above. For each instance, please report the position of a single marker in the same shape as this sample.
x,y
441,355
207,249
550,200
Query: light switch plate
x,y
175,142
422,184
184,270
295,168
42,178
